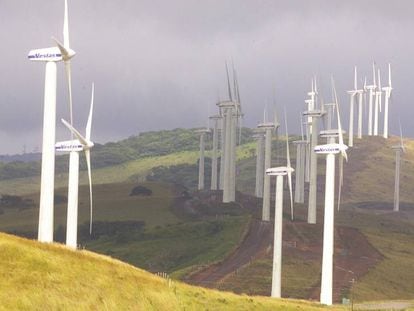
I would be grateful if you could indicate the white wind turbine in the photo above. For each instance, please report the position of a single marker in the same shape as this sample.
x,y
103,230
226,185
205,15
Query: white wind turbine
x,y
371,88
387,90
51,56
378,103
352,94
399,149
74,147
328,232
279,172
314,115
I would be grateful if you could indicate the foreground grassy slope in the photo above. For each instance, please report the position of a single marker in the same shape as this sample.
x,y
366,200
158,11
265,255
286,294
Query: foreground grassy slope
x,y
49,277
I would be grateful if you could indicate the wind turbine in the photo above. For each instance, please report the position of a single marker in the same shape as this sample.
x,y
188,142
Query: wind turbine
x,y
387,90
313,114
352,94
228,109
300,167
279,172
75,146
51,55
378,103
399,149
328,231
371,88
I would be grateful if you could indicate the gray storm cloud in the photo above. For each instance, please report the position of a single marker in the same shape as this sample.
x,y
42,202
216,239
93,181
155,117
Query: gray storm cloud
x,y
160,64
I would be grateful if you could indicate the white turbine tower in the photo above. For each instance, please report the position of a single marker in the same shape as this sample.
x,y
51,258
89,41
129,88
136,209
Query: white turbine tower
x,y
399,149
268,128
301,146
214,181
259,136
203,133
352,94
378,103
371,88
74,147
51,56
279,172
387,90
328,231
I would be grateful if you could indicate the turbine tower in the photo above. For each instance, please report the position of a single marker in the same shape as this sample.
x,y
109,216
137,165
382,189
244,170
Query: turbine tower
x,y
387,90
259,136
74,147
301,146
378,103
52,55
371,88
279,172
203,133
399,149
328,231
268,127
214,183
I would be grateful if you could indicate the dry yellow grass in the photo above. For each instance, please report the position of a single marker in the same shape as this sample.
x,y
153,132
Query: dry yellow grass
x,y
38,276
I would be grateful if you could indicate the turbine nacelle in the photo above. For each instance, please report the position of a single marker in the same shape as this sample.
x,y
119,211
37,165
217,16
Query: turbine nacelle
x,y
281,170
52,54
330,148
73,145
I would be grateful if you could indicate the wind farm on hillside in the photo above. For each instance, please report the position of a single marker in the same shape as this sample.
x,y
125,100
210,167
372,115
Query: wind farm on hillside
x,y
299,204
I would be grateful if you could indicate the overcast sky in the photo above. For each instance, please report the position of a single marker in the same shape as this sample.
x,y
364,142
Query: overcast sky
x,y
160,64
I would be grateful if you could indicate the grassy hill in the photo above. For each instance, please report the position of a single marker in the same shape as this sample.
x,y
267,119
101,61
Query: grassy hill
x,y
49,277
367,202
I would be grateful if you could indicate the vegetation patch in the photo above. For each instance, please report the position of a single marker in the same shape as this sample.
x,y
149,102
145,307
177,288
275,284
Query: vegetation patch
x,y
141,190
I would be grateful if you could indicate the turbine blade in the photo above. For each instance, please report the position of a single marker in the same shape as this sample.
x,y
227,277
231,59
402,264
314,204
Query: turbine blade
x,y
341,179
68,71
389,75
288,165
291,195
338,115
355,79
228,83
88,164
66,27
62,48
373,73
240,128
379,79
89,123
401,138
75,132
301,125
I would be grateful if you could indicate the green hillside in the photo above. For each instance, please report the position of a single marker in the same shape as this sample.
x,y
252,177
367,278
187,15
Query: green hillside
x,y
160,239
49,277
